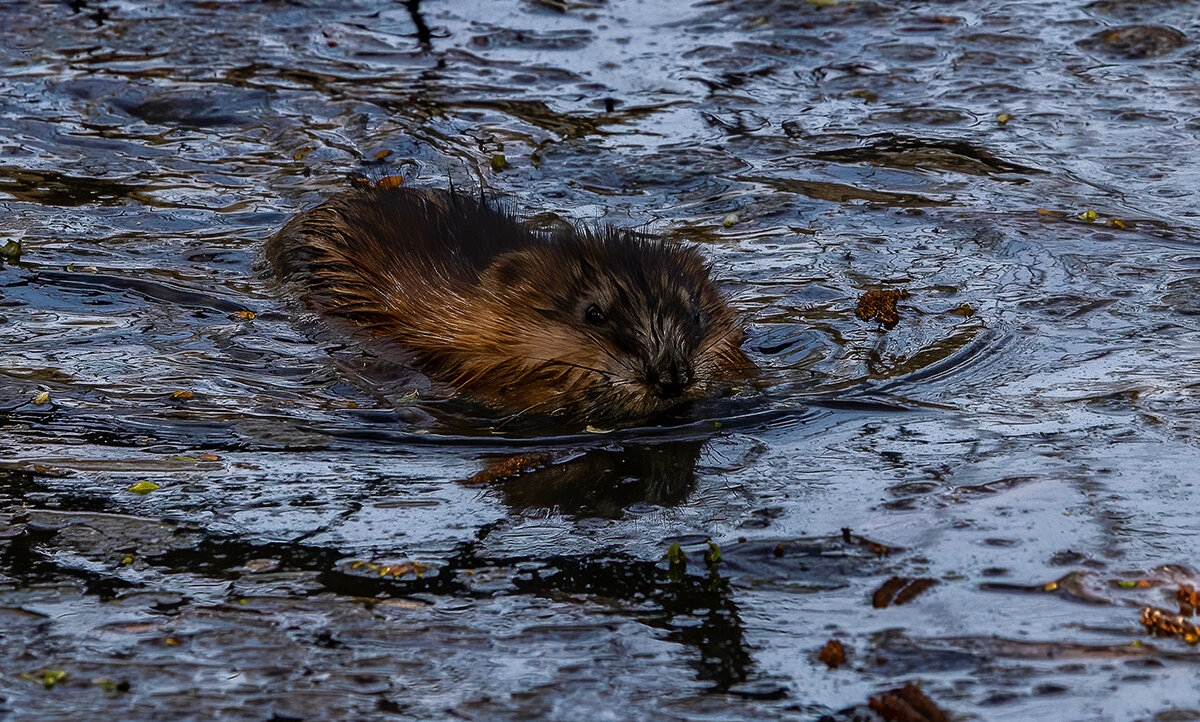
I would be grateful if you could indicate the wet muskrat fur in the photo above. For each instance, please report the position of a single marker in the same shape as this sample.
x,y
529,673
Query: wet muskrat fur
x,y
585,325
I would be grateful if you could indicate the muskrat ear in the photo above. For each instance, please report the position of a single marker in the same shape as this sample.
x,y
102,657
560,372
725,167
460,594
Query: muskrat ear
x,y
508,269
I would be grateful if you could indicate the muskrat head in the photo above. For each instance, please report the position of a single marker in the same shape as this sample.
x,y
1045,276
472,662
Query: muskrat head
x,y
612,326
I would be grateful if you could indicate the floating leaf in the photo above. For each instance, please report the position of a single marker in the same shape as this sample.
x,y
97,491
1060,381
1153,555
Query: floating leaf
x,y
899,590
389,181
498,162
729,220
675,555
880,305
11,251
42,398
1088,215
300,154
1003,118
143,488
112,687
833,654
48,677
243,315
907,703
713,555
382,154
182,395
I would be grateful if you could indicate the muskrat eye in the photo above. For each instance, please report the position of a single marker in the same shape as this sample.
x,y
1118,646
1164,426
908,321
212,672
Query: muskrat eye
x,y
594,315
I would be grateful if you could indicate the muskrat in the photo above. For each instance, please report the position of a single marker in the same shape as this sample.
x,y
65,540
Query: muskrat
x,y
591,325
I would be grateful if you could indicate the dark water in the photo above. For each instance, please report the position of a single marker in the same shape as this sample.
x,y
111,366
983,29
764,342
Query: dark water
x,y
1026,435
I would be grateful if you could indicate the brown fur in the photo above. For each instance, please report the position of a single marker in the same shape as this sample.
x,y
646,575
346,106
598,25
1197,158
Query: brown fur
x,y
501,312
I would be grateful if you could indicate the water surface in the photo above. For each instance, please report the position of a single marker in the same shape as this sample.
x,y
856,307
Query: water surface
x,y
321,545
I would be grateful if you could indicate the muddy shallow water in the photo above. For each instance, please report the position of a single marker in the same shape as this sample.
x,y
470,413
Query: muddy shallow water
x,y
320,543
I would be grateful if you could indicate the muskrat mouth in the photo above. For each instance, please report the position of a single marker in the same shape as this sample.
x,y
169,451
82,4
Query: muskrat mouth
x,y
671,381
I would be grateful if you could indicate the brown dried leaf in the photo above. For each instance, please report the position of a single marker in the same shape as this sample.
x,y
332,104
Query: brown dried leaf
x,y
880,305
1163,623
833,654
899,590
907,704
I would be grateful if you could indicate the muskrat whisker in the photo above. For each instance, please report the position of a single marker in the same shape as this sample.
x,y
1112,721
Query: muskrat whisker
x,y
606,375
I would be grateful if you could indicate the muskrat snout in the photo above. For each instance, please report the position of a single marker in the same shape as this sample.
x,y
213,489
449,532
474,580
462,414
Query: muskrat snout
x,y
670,379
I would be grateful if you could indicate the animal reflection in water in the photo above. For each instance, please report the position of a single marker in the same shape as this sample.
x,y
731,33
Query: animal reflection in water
x,y
596,482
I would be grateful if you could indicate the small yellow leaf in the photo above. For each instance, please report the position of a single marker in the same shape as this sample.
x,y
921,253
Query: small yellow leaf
x,y
1088,215
51,677
143,488
243,315
181,395
389,181
499,163
42,398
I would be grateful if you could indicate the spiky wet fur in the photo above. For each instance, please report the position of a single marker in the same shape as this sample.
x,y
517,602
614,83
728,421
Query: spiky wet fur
x,y
499,311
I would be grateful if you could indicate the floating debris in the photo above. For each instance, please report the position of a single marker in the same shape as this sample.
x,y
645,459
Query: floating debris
x,y
900,590
417,569
907,704
880,305
1163,623
143,488
833,654
48,677
112,687
1188,598
11,251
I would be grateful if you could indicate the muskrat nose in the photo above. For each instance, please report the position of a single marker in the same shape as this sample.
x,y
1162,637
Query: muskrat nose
x,y
669,379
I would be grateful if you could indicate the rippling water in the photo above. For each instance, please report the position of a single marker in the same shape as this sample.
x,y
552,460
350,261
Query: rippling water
x,y
320,544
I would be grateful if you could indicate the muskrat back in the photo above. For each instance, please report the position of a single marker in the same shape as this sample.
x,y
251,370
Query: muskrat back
x,y
592,325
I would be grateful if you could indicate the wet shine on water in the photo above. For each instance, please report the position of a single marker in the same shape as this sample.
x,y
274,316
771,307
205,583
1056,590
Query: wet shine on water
x,y
323,544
